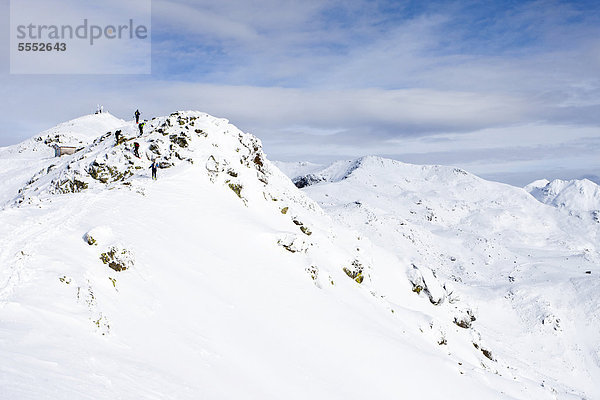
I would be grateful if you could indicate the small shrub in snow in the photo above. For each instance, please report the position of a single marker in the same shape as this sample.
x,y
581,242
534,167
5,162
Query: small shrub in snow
x,y
305,230
487,353
102,325
90,240
313,272
237,189
355,272
118,259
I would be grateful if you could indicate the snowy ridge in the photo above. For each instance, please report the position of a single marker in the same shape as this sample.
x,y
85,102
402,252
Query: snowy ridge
x,y
172,141
19,163
341,170
85,128
77,132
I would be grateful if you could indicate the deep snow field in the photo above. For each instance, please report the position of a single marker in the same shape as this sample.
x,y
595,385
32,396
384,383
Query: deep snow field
x,y
222,279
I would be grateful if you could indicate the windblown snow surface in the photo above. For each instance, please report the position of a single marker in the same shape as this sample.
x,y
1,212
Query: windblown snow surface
x,y
222,280
527,272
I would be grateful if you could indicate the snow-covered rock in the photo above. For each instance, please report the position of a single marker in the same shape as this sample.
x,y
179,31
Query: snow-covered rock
x,y
424,279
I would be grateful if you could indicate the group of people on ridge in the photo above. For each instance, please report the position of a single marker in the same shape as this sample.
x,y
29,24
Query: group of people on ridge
x,y
136,146
137,121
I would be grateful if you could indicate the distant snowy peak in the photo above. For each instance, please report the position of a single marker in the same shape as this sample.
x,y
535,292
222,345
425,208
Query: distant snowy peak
x,y
536,185
575,195
299,168
365,168
335,172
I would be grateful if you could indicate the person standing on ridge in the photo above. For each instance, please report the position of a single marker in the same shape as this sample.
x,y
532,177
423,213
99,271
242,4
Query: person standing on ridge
x,y
141,126
137,116
118,137
154,167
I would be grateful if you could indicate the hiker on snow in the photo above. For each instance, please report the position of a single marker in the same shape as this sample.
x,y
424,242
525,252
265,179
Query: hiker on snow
x,y
137,116
154,167
136,149
141,126
118,137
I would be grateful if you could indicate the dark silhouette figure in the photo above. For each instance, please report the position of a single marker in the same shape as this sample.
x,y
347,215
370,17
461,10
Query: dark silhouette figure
x,y
154,167
141,126
136,149
118,137
137,116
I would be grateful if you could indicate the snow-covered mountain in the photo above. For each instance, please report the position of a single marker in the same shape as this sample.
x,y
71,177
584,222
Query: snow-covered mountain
x,y
223,280
528,272
574,195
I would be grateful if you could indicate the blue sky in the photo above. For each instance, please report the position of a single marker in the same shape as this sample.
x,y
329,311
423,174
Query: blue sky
x,y
509,90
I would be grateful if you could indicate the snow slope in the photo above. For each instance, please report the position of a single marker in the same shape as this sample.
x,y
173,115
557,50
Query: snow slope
x,y
519,266
222,280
